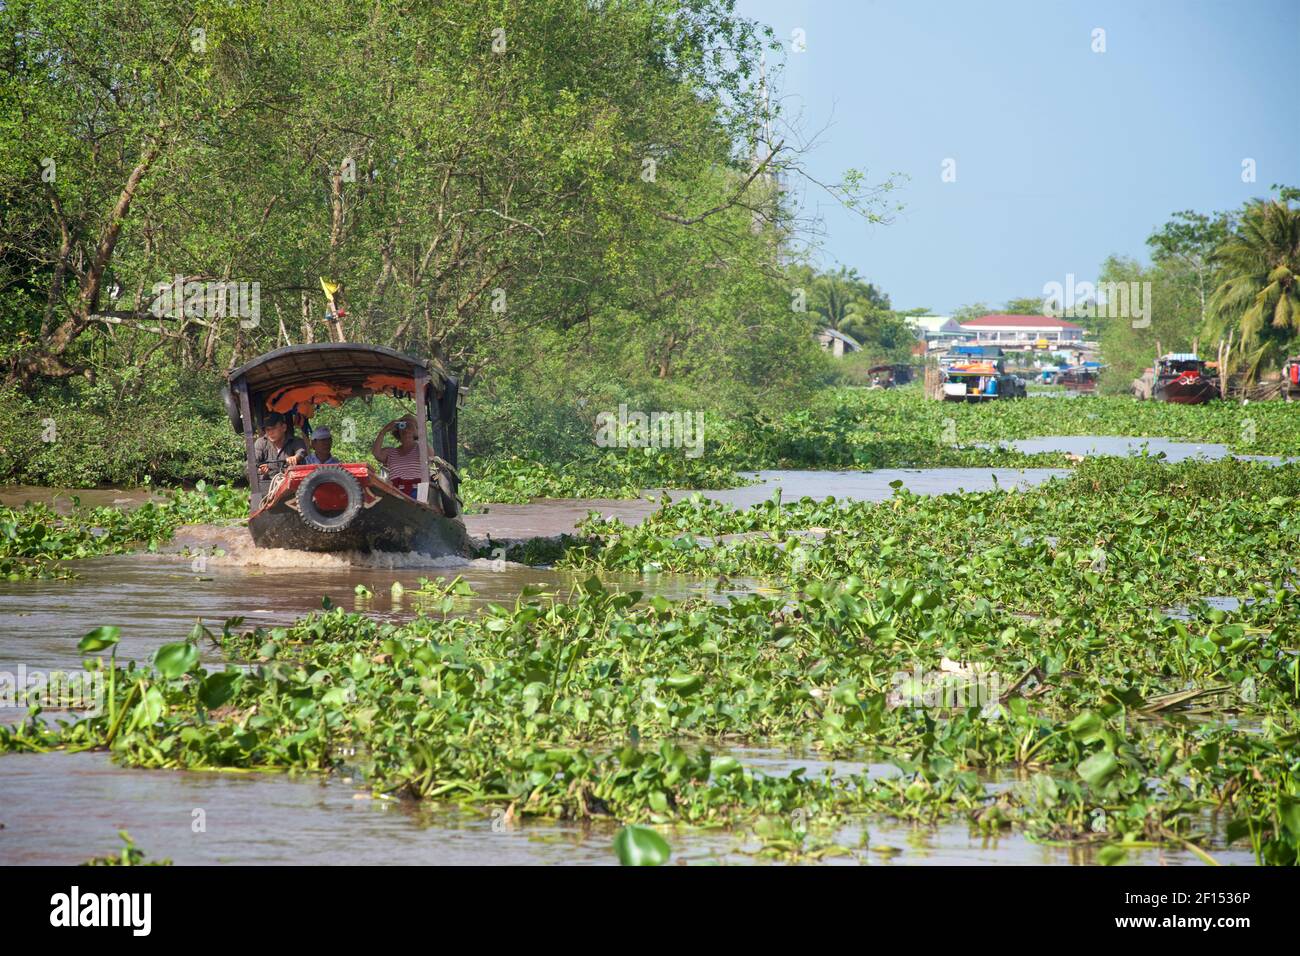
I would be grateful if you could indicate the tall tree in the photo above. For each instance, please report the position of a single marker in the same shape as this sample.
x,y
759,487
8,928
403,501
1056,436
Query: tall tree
x,y
1185,246
1260,293
466,171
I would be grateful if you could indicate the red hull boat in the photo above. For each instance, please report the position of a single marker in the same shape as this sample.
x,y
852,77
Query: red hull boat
x,y
1183,379
351,506
1186,392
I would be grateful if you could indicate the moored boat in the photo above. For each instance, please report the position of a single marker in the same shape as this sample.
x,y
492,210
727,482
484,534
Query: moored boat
x,y
1184,379
1291,379
890,375
1080,378
979,378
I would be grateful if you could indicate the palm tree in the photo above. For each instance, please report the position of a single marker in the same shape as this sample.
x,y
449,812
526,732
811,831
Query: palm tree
x,y
843,296
1261,295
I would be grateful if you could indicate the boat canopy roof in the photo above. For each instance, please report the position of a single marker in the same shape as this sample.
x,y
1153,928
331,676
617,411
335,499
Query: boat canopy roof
x,y
1180,357
356,368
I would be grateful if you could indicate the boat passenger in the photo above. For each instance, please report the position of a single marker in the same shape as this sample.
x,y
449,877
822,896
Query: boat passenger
x,y
299,425
322,444
275,449
401,463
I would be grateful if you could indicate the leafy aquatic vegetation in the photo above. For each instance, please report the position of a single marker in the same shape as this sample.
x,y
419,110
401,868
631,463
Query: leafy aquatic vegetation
x,y
868,428
1116,533
1007,653
603,474
129,855
1042,661
863,429
1267,428
896,428
35,538
641,846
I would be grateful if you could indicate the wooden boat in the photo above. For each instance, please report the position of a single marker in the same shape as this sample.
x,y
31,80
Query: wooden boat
x,y
1184,379
1291,379
1080,378
888,376
982,378
350,506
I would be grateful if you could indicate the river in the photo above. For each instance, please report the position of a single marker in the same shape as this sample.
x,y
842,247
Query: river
x,y
63,808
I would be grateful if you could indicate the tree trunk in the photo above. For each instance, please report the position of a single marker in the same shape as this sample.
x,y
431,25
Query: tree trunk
x,y
52,360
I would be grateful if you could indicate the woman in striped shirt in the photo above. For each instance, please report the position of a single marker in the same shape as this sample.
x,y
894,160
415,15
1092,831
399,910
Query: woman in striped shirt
x,y
402,463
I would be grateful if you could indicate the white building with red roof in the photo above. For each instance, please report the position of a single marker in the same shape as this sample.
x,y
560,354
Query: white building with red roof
x,y
1022,330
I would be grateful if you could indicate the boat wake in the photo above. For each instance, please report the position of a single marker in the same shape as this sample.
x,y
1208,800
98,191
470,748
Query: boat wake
x,y
232,546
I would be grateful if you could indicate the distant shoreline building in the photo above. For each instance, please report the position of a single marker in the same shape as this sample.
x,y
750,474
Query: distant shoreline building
x,y
837,343
1026,331
935,330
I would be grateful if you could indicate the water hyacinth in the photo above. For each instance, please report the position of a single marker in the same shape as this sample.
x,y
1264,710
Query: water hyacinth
x,y
1128,723
1043,662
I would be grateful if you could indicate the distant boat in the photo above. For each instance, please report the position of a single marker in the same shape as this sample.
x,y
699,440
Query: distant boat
x,y
1184,379
980,379
1080,378
887,376
1291,379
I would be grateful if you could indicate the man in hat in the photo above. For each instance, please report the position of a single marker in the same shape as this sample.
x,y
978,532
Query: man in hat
x,y
275,450
322,442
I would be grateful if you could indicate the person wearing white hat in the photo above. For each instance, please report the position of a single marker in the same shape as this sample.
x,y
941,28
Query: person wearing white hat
x,y
322,442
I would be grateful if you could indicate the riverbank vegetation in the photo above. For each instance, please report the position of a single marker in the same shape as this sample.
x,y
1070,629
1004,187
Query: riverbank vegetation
x,y
839,429
1227,276
35,540
558,457
563,202
574,207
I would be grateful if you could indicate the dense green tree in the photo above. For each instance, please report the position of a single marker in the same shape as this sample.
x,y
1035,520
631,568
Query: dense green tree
x,y
973,311
468,172
1259,295
842,296
1184,247
1129,346
1029,305
842,300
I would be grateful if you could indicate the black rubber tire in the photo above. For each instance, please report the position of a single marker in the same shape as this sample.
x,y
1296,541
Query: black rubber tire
x,y
232,410
329,475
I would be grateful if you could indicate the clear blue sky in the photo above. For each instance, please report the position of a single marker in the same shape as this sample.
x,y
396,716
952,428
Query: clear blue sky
x,y
1063,156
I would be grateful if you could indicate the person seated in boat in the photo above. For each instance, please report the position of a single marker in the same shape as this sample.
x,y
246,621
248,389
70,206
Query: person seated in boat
x,y
275,450
322,445
401,463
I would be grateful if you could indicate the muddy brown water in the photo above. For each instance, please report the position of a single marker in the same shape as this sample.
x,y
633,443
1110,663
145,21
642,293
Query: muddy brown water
x,y
64,808
156,599
212,573
64,500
